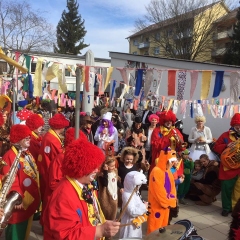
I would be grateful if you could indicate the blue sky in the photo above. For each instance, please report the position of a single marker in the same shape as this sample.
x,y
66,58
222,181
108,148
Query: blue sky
x,y
108,22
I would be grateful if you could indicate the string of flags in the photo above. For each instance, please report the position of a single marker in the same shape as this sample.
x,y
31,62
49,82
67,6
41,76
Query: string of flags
x,y
145,82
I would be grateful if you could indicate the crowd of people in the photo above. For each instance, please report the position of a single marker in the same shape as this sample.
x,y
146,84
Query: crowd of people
x,y
78,185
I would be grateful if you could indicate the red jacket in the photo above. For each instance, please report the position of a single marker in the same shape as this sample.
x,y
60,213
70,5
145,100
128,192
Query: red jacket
x,y
25,183
219,147
51,146
66,216
35,145
161,140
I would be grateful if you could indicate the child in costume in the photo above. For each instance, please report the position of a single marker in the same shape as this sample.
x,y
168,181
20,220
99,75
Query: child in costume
x,y
127,163
136,206
198,170
161,191
188,167
108,188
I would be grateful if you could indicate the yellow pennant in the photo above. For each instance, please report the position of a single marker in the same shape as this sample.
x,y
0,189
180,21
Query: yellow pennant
x,y
109,75
206,81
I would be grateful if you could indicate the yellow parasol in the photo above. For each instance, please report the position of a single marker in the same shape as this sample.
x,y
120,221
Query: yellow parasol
x,y
12,62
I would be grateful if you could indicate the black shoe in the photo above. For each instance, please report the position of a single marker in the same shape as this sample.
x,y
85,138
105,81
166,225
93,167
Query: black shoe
x,y
36,216
225,213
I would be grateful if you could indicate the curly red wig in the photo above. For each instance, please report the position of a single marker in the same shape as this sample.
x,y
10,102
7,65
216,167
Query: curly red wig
x,y
34,121
19,132
70,136
1,119
81,158
58,121
167,116
235,120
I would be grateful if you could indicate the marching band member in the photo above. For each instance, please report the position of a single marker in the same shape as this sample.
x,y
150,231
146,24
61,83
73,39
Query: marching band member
x,y
228,175
52,145
35,123
73,211
25,184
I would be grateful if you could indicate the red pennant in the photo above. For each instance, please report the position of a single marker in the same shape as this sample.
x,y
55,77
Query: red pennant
x,y
171,82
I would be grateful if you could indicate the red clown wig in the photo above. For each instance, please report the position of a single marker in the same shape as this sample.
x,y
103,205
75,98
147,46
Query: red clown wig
x,y
70,136
34,121
166,116
81,158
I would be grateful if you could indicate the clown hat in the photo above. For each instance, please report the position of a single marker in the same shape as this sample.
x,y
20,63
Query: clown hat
x,y
107,116
81,158
58,121
19,132
235,120
34,121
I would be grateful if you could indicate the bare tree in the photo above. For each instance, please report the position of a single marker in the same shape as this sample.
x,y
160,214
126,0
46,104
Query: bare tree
x,y
24,28
183,28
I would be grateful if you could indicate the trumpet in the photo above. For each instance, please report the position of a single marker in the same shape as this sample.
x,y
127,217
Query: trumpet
x,y
178,139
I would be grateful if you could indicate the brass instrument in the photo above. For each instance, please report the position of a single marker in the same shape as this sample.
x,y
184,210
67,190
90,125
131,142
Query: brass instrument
x,y
178,139
230,157
9,200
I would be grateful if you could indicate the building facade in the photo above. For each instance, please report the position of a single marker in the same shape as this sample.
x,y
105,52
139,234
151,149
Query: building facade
x,y
186,36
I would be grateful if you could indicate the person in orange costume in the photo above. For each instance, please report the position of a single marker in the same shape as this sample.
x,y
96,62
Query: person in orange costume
x,y
161,191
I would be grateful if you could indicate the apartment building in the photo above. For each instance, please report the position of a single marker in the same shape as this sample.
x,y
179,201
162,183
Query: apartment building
x,y
223,30
186,36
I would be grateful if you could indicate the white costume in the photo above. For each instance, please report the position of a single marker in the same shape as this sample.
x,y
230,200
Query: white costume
x,y
197,149
106,137
135,208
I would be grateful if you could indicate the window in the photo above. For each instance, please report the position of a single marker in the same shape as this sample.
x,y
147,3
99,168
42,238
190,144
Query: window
x,y
3,67
67,73
147,39
134,53
157,36
33,67
156,50
135,42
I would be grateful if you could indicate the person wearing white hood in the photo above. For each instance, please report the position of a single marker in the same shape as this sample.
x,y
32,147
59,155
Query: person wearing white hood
x,y
136,206
106,133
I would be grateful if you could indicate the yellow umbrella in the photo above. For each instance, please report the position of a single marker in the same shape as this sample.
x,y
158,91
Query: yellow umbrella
x,y
12,62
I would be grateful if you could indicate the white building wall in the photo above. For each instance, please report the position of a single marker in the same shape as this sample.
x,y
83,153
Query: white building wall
x,y
217,125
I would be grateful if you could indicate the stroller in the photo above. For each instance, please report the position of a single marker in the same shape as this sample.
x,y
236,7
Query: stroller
x,y
181,230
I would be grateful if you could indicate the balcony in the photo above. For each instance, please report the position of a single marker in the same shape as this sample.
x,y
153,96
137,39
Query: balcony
x,y
143,45
222,35
218,52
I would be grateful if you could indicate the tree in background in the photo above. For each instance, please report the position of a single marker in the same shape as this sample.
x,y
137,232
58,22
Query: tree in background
x,y
232,55
24,28
70,31
179,34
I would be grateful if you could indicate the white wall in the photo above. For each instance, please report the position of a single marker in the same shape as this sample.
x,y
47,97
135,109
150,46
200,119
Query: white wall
x,y
217,125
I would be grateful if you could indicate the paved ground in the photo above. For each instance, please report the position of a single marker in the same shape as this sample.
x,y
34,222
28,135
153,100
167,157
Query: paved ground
x,y
206,219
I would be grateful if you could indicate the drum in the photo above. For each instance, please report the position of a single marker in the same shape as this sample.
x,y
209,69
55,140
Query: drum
x,y
189,229
172,232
